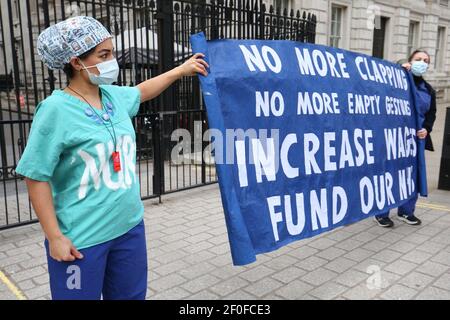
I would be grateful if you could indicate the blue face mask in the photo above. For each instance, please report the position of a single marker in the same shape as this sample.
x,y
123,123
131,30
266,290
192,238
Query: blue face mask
x,y
109,72
419,68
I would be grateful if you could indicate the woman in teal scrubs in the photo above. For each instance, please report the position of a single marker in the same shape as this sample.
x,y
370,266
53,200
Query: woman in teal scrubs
x,y
80,163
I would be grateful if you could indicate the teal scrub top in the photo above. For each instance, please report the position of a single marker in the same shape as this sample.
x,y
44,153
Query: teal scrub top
x,y
70,147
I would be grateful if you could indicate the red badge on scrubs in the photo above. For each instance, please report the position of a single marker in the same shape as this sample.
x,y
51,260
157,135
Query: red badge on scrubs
x,y
116,161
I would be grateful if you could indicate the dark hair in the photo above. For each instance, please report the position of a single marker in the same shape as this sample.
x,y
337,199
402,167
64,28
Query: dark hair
x,y
419,51
68,70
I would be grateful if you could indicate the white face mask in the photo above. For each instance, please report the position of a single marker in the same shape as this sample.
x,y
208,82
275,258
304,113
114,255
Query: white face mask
x,y
109,72
419,68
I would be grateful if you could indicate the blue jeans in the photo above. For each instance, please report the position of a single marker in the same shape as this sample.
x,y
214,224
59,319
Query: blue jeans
x,y
116,269
406,209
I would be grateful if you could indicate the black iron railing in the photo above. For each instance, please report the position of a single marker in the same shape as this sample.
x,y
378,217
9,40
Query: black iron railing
x,y
150,37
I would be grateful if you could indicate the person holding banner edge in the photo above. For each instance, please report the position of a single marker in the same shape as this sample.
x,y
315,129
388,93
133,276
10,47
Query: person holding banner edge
x,y
80,161
418,64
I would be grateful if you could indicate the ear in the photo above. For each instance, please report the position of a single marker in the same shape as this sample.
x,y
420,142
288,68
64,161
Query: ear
x,y
75,63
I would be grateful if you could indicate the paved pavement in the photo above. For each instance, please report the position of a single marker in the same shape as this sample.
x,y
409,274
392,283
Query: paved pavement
x,y
189,257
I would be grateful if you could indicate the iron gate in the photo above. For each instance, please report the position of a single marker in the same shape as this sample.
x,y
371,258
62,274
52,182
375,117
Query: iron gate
x,y
151,37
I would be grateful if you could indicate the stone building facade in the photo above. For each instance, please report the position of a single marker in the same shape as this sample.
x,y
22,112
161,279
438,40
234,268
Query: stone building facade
x,y
389,29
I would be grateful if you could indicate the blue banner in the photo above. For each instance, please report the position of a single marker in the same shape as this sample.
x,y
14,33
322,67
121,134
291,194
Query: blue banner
x,y
306,138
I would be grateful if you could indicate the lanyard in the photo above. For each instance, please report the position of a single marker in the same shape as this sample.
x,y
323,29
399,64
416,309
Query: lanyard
x,y
115,155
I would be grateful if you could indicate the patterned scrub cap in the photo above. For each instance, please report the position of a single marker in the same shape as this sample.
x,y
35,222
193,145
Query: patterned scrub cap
x,y
58,43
